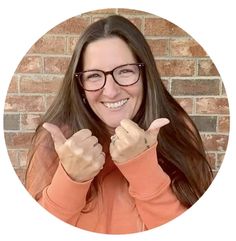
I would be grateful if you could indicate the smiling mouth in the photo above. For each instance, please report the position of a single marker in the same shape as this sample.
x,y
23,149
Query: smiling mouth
x,y
115,105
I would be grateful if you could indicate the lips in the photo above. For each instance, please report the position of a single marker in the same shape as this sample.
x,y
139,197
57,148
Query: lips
x,y
115,105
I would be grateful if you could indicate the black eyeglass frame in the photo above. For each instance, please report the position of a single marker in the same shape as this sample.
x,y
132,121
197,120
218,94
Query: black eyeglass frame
x,y
77,75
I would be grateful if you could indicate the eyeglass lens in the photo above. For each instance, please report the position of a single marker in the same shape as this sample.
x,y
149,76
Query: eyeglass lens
x,y
124,75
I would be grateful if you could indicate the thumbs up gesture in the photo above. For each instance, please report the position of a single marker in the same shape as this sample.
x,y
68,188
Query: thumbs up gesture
x,y
81,155
130,140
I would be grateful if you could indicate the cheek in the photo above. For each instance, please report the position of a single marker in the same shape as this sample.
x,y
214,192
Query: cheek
x,y
91,97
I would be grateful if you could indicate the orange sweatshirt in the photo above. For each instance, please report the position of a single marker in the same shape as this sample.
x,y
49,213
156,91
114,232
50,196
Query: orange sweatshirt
x,y
132,197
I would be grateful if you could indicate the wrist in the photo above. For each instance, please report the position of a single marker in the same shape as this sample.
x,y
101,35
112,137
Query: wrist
x,y
144,174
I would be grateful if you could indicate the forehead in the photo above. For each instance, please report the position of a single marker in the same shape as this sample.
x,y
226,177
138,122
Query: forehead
x,y
107,53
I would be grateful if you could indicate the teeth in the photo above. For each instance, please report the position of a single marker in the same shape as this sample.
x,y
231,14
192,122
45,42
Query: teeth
x,y
115,104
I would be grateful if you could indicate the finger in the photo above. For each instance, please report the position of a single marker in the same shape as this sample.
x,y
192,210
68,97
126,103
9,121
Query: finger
x,y
97,150
156,125
129,125
57,136
79,146
121,133
82,135
93,141
101,159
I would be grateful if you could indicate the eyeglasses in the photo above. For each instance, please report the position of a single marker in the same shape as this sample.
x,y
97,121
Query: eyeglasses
x,y
123,75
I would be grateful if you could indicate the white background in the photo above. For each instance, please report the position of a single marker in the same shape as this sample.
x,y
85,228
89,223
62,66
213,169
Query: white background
x,y
211,23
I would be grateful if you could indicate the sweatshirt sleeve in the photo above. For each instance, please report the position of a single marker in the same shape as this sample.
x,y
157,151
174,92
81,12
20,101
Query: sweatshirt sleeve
x,y
150,186
49,184
64,197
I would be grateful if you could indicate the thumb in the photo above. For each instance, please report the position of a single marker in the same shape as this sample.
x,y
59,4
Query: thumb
x,y
57,136
156,125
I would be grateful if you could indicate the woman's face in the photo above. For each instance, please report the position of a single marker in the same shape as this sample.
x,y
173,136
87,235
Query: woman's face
x,y
114,102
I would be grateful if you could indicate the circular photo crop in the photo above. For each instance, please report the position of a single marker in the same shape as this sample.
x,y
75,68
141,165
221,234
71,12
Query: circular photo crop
x,y
116,121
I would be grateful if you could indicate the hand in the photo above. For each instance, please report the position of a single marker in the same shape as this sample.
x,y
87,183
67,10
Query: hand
x,y
130,140
81,155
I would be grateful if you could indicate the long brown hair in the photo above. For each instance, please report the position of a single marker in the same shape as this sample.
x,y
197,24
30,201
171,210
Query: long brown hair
x,y
180,150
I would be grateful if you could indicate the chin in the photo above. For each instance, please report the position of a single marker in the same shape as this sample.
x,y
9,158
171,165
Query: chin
x,y
111,124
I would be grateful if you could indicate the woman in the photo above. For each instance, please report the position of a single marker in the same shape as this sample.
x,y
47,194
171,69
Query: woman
x,y
115,153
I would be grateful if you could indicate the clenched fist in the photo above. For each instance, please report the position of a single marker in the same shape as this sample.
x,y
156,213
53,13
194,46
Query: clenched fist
x,y
130,140
81,155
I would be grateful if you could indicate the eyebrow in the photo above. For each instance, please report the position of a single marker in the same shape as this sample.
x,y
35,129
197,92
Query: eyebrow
x,y
110,69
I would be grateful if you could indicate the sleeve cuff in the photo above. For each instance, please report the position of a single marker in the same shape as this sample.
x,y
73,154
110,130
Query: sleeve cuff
x,y
145,176
65,192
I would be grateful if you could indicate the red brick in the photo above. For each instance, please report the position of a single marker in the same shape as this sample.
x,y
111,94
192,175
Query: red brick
x,y
161,27
207,68
13,156
56,65
186,48
100,11
71,44
18,140
220,159
123,11
223,90
11,121
49,45
212,106
223,123
205,123
136,21
24,103
49,100
95,18
186,103
215,142
30,121
30,64
211,158
20,172
159,47
13,86
195,87
166,82
40,84
176,67
73,25
23,158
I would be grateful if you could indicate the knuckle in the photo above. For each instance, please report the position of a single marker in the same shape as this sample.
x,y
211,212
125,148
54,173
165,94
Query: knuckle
x,y
88,159
96,166
119,128
69,143
88,132
97,149
103,159
94,139
84,132
114,155
79,151
99,146
120,148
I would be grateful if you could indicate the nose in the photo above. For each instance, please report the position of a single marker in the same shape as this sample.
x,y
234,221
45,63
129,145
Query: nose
x,y
111,88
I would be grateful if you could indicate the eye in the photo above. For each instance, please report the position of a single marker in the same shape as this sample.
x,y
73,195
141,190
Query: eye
x,y
126,71
92,76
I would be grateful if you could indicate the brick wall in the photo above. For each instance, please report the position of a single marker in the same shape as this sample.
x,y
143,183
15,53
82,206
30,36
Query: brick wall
x,y
186,69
